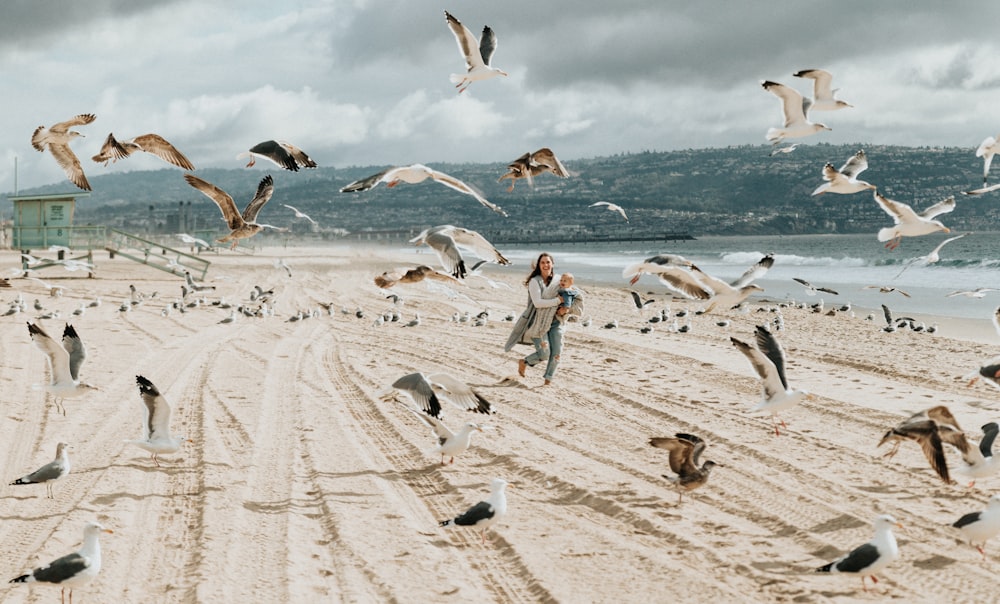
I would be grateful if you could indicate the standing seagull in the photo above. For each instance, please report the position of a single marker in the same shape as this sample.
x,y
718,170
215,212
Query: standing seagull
x,y
72,570
485,513
50,472
282,154
794,109
685,450
64,359
414,174
845,180
908,222
113,150
477,54
611,206
299,214
448,443
980,461
531,165
980,527
872,557
57,138
241,226
445,241
156,437
987,149
768,360
823,95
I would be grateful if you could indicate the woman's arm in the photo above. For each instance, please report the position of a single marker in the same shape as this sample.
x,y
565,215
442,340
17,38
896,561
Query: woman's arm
x,y
535,292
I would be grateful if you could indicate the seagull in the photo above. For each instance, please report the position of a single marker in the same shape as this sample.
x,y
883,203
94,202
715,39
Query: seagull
x,y
113,150
887,289
477,54
908,222
639,302
685,450
448,443
692,282
987,149
982,190
241,226
57,138
64,359
54,290
794,108
979,292
485,513
930,428
50,472
156,437
299,214
785,149
812,289
611,206
823,99
980,462
191,285
72,570
991,370
413,275
417,173
279,263
532,164
282,154
653,265
933,256
426,390
445,241
872,557
188,239
980,527
845,180
768,360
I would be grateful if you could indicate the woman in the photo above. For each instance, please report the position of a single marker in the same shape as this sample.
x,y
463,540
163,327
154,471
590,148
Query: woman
x,y
543,321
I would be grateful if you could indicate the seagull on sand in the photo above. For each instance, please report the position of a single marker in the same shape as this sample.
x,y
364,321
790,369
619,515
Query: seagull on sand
x,y
449,443
72,570
611,206
299,214
531,165
477,54
980,527
823,95
64,359
872,557
56,139
113,150
930,428
445,241
50,472
156,437
240,226
794,108
812,289
486,513
987,149
191,285
685,451
768,361
416,173
845,180
413,275
932,257
980,461
908,222
427,390
282,154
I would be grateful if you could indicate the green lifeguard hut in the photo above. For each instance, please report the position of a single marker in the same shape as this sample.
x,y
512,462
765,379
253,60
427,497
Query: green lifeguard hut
x,y
43,220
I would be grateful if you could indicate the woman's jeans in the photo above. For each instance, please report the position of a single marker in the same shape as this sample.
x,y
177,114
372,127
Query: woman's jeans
x,y
547,349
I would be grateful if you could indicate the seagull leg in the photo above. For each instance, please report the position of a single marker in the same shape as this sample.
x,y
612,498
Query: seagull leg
x,y
252,161
982,551
892,452
482,534
155,461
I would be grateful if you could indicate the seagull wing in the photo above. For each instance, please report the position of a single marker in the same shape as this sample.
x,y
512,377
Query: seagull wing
x,y
366,183
937,250
444,246
459,393
76,350
156,411
467,43
298,155
926,434
681,281
458,185
158,146
791,102
70,165
441,432
487,44
822,82
900,212
941,207
419,389
221,199
56,354
763,366
681,452
772,349
77,120
545,157
264,191
479,245
887,313
857,164
989,435
754,272
111,150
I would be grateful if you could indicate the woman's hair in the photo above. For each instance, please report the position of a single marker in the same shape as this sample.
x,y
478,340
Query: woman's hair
x,y
535,270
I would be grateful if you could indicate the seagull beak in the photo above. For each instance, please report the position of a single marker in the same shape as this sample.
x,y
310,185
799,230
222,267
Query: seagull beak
x,y
947,230
108,531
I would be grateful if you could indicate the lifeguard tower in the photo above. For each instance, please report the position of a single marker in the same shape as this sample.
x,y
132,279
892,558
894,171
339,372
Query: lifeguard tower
x,y
43,221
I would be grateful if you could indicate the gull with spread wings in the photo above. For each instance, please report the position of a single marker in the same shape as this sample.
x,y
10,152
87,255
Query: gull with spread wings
x,y
414,174
244,225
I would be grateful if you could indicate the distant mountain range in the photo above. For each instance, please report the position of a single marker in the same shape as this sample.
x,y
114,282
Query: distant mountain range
x,y
728,190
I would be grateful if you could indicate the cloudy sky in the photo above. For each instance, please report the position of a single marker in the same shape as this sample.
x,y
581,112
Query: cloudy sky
x,y
363,82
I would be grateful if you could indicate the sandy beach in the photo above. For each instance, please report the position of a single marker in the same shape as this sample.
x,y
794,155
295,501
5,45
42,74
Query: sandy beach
x,y
300,483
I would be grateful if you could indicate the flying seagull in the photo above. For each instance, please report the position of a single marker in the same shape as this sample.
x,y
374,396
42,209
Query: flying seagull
x,y
887,289
653,265
280,153
416,173
113,150
812,289
532,164
240,226
50,472
486,513
477,54
188,239
823,95
611,206
299,214
685,451
427,390
987,149
933,256
413,275
156,437
65,359
768,361
845,180
794,108
872,557
56,139
445,241
930,428
908,222
72,570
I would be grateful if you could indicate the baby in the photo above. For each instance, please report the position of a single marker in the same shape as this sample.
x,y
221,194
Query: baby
x,y
567,290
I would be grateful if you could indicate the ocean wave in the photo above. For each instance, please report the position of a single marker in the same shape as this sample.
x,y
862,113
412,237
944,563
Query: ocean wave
x,y
749,258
